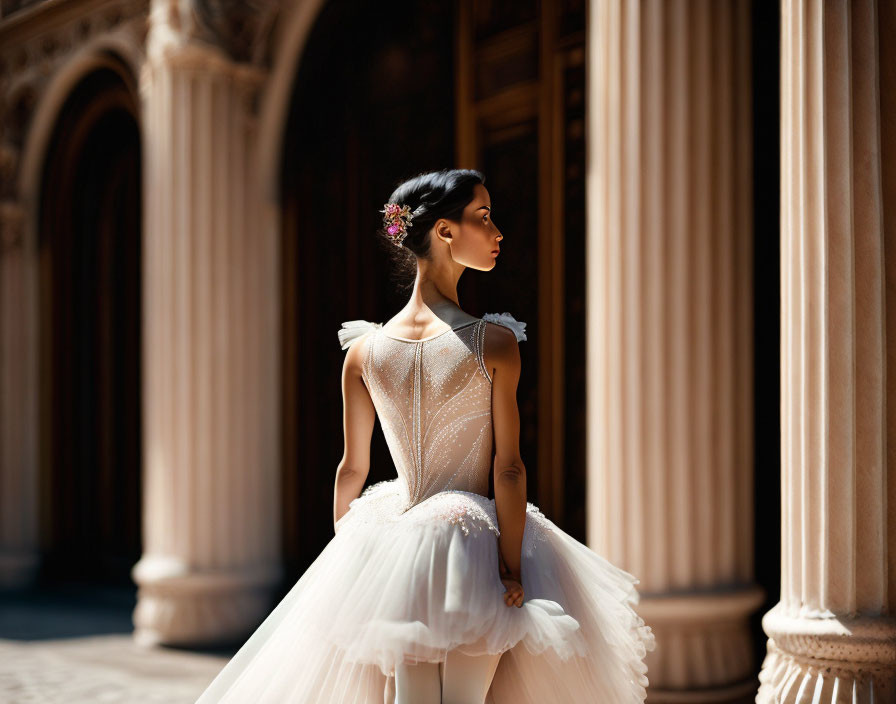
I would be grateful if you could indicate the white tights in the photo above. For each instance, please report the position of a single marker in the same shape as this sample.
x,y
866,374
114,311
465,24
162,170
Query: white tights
x,y
459,679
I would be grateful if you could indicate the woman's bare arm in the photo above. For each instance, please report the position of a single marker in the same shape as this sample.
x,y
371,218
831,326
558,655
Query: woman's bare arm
x,y
358,416
502,357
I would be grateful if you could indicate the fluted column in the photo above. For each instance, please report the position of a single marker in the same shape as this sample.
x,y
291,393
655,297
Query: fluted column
x,y
669,331
19,548
832,636
211,502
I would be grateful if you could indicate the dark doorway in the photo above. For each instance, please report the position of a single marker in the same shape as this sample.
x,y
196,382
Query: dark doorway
x,y
90,321
373,103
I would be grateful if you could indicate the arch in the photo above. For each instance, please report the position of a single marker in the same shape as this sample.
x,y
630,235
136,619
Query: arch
x,y
120,53
293,32
116,51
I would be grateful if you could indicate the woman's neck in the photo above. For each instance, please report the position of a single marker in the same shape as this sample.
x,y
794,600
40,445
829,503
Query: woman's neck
x,y
435,295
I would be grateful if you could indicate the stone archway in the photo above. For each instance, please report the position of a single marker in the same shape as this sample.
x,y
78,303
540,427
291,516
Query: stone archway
x,y
88,250
41,67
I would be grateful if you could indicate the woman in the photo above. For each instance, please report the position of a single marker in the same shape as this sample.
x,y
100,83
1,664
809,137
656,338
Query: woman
x,y
430,591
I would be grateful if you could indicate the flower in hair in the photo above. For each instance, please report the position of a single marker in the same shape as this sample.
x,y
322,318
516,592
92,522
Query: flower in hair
x,y
397,219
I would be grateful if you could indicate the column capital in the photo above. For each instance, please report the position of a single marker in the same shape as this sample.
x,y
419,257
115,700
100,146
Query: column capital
x,y
203,58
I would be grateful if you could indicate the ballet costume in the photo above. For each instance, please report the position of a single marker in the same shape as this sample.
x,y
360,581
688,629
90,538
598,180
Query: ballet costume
x,y
411,576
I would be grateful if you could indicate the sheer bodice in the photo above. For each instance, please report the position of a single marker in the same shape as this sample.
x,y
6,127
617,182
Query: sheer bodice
x,y
433,399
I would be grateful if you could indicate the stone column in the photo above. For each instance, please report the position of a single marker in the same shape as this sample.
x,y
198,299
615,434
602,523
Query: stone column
x,y
832,636
670,460
19,541
211,500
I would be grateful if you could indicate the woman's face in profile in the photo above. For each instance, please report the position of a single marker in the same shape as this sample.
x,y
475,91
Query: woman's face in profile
x,y
476,240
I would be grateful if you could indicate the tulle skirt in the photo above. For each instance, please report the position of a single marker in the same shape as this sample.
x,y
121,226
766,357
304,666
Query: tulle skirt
x,y
395,586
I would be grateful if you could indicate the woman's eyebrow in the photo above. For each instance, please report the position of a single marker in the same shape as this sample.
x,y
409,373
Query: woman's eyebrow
x,y
484,206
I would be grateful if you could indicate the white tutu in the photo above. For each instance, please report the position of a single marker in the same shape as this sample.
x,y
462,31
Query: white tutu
x,y
409,587
412,571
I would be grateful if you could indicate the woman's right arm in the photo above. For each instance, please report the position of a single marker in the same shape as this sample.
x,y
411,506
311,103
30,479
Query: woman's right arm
x,y
502,358
358,417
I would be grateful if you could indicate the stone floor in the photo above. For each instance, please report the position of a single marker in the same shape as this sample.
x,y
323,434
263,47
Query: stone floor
x,y
73,645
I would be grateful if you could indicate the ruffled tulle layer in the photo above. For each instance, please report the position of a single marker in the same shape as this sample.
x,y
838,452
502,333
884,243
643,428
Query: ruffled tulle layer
x,y
395,586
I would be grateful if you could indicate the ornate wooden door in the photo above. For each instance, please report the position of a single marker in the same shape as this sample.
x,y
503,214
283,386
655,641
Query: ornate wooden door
x,y
520,118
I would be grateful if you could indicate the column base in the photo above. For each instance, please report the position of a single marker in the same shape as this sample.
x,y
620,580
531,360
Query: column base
x,y
704,647
176,606
18,568
741,693
834,659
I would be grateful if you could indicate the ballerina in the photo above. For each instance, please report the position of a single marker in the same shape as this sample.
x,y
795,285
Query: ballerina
x,y
430,591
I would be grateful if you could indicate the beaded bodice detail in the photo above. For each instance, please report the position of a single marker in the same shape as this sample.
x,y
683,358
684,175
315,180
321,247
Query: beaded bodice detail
x,y
433,399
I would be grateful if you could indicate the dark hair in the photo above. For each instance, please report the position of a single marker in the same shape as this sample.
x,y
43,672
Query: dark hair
x,y
431,196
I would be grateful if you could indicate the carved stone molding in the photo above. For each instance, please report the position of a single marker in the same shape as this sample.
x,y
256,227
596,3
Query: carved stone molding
x,y
858,644
812,659
205,58
811,681
242,29
46,35
36,43
168,47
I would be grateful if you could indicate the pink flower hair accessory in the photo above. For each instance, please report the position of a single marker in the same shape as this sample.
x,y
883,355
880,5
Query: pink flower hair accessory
x,y
396,219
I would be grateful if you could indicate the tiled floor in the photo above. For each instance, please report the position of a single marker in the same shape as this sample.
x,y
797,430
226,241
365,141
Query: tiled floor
x,y
73,646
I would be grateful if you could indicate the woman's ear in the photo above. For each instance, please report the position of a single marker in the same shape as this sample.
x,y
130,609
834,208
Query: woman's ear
x,y
443,231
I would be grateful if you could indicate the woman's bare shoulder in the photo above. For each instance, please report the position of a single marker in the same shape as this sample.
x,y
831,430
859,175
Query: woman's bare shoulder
x,y
499,340
356,354
500,349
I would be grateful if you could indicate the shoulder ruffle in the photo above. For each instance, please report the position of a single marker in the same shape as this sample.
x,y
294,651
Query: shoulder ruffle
x,y
353,329
508,321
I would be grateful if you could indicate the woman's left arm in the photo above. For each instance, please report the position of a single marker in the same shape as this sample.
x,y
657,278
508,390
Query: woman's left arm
x,y
358,416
